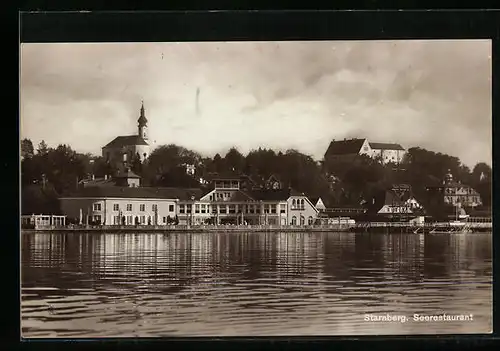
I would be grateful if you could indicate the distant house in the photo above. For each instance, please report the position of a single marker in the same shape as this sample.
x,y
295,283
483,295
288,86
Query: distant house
x,y
346,150
349,149
273,182
387,152
452,193
396,200
318,203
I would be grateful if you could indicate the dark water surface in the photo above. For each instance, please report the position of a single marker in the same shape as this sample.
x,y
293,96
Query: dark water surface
x,y
143,285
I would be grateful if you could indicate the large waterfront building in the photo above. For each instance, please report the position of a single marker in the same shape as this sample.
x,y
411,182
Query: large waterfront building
x,y
231,200
124,148
349,149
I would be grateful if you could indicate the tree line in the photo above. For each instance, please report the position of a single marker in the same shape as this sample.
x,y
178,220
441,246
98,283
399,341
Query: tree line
x,y
47,173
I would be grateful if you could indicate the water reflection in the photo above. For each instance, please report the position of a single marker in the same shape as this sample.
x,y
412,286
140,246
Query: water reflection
x,y
251,284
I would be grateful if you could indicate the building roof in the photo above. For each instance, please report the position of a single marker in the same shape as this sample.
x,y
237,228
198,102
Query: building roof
x,y
344,147
273,195
315,199
97,182
386,146
127,174
139,192
126,140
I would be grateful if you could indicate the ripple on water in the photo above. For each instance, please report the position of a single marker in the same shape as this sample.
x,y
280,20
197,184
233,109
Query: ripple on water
x,y
230,285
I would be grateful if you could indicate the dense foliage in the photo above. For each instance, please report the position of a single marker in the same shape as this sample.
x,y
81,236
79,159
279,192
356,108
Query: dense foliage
x,y
50,172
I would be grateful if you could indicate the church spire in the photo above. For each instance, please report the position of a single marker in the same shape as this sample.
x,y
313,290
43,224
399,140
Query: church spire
x,y
142,123
142,118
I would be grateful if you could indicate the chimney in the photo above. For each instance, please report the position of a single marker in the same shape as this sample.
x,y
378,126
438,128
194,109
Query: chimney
x,y
93,176
105,177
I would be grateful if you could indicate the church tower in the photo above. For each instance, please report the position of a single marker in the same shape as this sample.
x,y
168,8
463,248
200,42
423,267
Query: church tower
x,y
143,124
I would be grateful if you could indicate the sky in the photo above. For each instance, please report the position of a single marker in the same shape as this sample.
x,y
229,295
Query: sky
x,y
211,96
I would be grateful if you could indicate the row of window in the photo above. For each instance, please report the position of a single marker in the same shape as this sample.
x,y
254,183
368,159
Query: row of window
x,y
130,220
310,220
220,196
227,184
459,191
202,208
462,199
129,207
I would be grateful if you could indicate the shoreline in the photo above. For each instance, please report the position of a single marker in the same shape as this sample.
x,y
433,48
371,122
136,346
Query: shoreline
x,y
356,228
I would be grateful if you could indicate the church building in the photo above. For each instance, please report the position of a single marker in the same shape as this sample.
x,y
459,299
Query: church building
x,y
122,149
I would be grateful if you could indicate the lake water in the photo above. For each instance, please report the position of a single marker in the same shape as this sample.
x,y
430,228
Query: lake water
x,y
255,284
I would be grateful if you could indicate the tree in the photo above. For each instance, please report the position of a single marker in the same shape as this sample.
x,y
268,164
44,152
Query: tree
x,y
42,148
481,181
235,160
27,150
218,164
36,199
136,164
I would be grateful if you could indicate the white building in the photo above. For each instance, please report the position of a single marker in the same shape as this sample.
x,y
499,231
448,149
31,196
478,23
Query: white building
x,y
348,149
123,149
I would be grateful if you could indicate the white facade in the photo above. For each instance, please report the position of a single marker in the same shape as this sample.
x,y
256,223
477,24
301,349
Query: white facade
x,y
113,211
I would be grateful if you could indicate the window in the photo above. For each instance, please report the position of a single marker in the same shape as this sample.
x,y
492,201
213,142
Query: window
x,y
129,219
211,198
310,220
203,208
97,207
171,208
97,219
181,209
293,203
232,209
257,209
302,220
164,219
266,208
143,220
116,220
189,208
222,209
116,207
250,209
196,208
214,208
282,208
142,207
294,220
154,207
273,208
129,207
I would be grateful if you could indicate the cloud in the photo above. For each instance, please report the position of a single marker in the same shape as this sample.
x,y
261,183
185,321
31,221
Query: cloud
x,y
434,94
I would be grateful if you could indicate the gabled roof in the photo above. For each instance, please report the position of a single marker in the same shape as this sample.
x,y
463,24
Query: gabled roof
x,y
126,140
139,192
386,146
127,174
344,147
315,199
